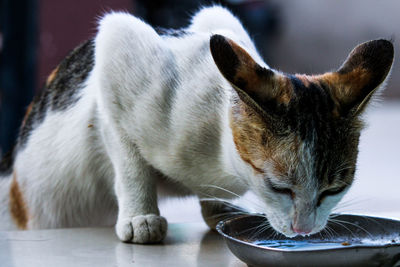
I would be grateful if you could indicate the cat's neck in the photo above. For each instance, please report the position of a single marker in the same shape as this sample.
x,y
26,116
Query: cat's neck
x,y
231,160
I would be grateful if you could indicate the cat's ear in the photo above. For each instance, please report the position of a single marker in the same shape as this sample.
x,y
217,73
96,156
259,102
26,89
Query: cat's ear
x,y
253,83
361,75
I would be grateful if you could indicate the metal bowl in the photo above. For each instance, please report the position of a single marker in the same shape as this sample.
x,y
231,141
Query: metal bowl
x,y
350,241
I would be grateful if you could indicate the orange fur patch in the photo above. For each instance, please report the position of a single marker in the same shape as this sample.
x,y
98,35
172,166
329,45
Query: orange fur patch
x,y
253,142
28,111
285,89
245,134
18,207
305,79
51,77
347,87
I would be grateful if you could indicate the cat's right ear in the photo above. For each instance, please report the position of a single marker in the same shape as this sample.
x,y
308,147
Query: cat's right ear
x,y
361,75
254,84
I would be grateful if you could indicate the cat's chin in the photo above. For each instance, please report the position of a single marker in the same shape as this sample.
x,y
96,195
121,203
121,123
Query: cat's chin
x,y
290,235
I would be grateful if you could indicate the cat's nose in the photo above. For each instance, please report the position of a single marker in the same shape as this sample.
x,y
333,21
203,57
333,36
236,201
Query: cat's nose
x,y
303,223
301,231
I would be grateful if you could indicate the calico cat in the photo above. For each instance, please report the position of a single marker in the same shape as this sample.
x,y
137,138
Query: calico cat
x,y
201,111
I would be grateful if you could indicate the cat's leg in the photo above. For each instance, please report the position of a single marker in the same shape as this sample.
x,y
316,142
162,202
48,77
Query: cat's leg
x,y
215,211
125,46
138,214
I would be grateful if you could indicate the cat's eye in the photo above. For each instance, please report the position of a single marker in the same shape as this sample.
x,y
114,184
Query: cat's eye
x,y
280,190
329,192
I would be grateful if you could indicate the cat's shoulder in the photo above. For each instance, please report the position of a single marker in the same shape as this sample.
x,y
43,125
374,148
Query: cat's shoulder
x,y
120,29
210,19
219,20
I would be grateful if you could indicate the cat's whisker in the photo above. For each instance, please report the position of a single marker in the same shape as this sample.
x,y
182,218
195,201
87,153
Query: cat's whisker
x,y
331,230
327,231
265,224
249,229
222,189
263,227
352,200
342,206
332,216
347,164
224,201
320,234
259,228
226,215
371,219
353,224
338,171
273,233
253,203
341,223
351,232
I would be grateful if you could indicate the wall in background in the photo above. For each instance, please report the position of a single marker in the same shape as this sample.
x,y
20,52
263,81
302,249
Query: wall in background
x,y
316,36
65,24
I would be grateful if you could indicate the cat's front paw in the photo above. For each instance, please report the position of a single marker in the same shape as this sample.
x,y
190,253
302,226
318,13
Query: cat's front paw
x,y
142,229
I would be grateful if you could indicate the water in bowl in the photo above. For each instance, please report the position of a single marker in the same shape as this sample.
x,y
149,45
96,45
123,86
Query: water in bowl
x,y
300,245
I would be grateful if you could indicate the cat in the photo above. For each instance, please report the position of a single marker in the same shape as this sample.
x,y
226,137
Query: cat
x,y
199,113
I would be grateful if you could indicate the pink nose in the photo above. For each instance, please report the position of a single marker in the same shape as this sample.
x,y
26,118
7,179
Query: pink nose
x,y
301,231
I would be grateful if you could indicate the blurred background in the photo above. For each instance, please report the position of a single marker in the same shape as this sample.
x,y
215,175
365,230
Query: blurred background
x,y
308,36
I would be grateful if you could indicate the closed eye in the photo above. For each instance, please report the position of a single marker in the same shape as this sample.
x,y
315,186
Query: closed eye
x,y
280,190
329,192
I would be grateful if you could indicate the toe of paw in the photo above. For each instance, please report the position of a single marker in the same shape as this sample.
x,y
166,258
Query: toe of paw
x,y
143,229
124,230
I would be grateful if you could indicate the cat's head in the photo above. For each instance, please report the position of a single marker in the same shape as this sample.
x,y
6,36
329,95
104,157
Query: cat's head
x,y
299,133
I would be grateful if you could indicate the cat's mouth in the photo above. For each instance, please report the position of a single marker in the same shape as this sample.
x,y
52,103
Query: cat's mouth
x,y
303,231
291,231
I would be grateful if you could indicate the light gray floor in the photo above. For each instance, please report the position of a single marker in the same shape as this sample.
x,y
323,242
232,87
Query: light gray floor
x,y
375,192
189,244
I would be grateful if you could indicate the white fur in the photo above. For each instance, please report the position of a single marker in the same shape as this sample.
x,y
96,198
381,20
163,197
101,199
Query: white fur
x,y
5,218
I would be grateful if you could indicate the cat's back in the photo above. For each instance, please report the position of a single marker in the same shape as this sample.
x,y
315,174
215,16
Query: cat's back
x,y
62,89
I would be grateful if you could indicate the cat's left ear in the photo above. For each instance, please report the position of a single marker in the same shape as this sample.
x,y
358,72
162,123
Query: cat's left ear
x,y
361,75
254,84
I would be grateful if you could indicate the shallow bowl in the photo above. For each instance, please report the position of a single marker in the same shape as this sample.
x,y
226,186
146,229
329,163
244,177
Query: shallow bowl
x,y
350,240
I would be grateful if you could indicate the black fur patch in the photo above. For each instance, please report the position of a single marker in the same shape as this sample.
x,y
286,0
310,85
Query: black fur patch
x,y
63,89
171,32
224,56
375,57
263,73
6,163
310,116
